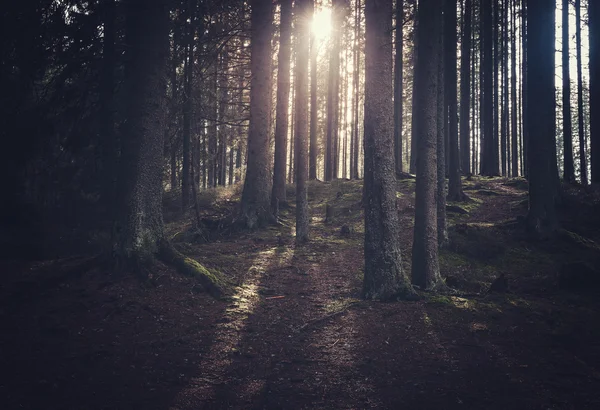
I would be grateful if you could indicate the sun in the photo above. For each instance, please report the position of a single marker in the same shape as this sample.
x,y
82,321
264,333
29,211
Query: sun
x,y
321,24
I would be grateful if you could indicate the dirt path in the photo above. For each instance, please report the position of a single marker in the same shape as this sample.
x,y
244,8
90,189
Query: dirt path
x,y
295,335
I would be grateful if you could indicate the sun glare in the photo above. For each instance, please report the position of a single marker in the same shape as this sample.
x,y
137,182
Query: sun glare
x,y
321,24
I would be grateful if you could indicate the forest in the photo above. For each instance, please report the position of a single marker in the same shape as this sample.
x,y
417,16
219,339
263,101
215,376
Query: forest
x,y
303,204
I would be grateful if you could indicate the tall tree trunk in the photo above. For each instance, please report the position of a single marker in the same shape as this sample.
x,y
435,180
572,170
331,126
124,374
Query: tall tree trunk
x,y
314,109
282,109
305,9
487,79
505,143
442,125
425,264
450,46
414,131
333,97
465,87
212,122
256,196
525,87
494,152
513,87
187,105
138,230
569,168
398,85
543,179
580,119
356,73
384,278
594,27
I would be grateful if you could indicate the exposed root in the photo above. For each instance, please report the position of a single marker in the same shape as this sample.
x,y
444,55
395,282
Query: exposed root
x,y
211,280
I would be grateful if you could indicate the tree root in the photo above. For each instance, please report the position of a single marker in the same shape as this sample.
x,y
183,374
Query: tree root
x,y
211,280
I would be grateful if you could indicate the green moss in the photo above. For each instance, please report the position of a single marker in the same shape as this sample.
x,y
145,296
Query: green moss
x,y
211,280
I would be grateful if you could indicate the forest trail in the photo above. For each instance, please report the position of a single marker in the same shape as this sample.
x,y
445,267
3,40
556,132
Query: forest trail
x,y
296,334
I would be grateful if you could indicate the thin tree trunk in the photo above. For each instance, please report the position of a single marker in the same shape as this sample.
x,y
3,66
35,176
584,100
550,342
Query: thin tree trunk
x,y
282,110
398,66
569,168
305,8
594,27
513,105
314,109
524,88
450,46
414,131
465,87
580,119
187,106
355,138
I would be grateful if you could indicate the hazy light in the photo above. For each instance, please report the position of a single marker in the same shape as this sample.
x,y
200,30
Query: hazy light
x,y
321,24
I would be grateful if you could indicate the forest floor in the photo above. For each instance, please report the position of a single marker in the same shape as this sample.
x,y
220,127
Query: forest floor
x,y
295,334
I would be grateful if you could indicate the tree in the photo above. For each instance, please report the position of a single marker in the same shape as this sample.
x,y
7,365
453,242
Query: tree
x,y
138,232
465,95
398,66
384,278
450,90
283,96
594,27
442,125
333,92
314,109
543,179
580,119
487,80
256,196
305,12
425,264
569,168
513,86
187,104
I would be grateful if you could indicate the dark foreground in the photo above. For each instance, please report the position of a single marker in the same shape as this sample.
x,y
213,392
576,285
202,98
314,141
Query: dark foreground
x,y
295,334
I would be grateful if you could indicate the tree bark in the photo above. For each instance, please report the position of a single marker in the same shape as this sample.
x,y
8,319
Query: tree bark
x,y
398,66
487,80
187,105
384,278
283,96
465,87
514,107
305,9
425,264
138,230
442,124
314,109
355,138
594,27
256,196
450,46
580,118
569,168
543,179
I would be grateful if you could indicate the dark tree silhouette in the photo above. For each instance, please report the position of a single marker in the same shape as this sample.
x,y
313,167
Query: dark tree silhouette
x,y
543,178
398,66
465,84
305,12
283,95
580,119
425,264
569,167
256,196
594,22
384,278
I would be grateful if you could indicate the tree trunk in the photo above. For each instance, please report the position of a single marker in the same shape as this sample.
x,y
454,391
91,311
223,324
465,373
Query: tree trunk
x,y
569,168
283,97
314,109
425,264
414,131
513,86
524,88
487,80
138,230
594,27
580,119
543,181
398,85
256,196
384,278
450,45
305,12
465,86
355,138
442,125
187,106
331,156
